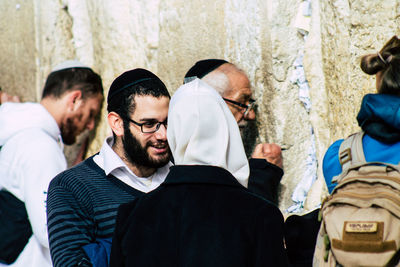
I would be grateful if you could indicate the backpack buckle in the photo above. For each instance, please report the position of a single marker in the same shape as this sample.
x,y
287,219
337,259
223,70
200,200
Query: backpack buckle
x,y
345,156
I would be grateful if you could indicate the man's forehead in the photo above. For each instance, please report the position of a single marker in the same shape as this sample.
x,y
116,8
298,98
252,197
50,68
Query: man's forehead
x,y
147,106
149,99
94,103
240,85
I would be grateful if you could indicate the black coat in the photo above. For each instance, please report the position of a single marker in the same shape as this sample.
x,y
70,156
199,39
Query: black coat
x,y
265,179
200,216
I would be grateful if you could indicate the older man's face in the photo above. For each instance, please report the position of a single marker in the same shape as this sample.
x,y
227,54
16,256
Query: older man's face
x,y
240,92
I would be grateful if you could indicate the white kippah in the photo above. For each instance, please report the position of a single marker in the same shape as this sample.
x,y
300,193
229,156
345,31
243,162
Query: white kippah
x,y
69,64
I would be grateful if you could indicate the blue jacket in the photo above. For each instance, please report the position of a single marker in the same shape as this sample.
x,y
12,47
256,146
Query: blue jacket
x,y
379,117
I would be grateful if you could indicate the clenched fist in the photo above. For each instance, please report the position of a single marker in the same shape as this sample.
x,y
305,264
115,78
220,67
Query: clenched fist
x,y
270,152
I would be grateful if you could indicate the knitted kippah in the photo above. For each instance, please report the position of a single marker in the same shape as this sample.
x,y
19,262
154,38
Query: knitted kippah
x,y
130,78
69,64
203,67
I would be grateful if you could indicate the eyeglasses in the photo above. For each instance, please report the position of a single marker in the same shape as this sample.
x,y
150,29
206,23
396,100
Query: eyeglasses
x,y
149,126
247,108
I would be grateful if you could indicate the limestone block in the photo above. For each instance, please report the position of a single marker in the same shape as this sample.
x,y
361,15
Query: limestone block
x,y
124,35
351,29
18,48
189,31
53,39
289,123
319,98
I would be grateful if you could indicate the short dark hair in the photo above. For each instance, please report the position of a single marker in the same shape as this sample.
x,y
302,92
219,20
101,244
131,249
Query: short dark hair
x,y
123,103
386,60
65,80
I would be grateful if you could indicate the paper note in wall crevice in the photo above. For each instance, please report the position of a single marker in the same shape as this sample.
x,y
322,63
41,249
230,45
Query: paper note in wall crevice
x,y
303,18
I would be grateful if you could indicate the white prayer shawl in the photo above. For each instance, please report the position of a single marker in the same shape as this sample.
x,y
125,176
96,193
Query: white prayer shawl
x,y
203,131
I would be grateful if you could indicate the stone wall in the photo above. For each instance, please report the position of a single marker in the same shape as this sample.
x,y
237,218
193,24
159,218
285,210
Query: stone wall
x,y
261,36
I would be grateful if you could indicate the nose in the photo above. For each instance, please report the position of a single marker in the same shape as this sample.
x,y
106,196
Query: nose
x,y
250,116
161,134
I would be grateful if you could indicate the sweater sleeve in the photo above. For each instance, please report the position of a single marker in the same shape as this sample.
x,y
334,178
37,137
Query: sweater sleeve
x,y
264,179
69,226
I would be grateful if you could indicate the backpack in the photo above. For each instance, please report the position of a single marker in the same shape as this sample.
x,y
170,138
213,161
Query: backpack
x,y
15,229
361,218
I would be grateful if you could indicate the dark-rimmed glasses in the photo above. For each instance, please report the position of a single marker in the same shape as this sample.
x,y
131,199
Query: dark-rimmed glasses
x,y
247,108
149,126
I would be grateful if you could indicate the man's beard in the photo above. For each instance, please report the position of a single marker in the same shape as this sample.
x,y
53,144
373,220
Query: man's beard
x,y
68,132
138,155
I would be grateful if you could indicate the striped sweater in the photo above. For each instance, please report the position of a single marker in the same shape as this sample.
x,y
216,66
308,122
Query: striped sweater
x,y
82,205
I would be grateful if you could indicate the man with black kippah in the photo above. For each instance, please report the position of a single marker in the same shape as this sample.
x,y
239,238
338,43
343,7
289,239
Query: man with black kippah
x,y
233,85
82,202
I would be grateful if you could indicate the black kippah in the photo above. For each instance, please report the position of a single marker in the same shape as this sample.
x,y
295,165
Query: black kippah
x,y
203,67
130,78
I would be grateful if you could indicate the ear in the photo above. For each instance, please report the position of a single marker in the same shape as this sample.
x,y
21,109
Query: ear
x,y
74,100
116,123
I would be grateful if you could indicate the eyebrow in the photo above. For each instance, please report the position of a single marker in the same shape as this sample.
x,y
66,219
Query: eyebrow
x,y
245,97
151,119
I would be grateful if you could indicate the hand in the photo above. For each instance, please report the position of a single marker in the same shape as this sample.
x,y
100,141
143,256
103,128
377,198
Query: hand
x,y
4,97
270,152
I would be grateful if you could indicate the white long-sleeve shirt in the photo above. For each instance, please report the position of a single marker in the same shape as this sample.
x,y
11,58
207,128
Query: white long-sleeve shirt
x,y
31,155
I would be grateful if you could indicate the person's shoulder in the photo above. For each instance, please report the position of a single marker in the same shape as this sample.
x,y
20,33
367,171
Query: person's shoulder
x,y
331,156
266,210
127,208
331,164
32,148
334,148
79,173
34,137
257,201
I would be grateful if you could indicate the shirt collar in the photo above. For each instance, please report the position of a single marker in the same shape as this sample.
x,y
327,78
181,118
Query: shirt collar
x,y
112,164
111,160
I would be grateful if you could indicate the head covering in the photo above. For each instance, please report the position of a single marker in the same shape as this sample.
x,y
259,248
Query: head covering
x,y
130,78
202,68
69,64
203,131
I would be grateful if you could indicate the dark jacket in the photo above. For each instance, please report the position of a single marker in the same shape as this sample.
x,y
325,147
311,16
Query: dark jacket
x,y
200,216
265,179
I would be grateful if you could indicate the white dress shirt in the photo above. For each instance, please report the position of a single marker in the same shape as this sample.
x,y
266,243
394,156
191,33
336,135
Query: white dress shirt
x,y
111,163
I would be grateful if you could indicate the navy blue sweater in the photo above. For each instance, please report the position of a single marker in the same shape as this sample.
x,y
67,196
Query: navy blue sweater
x,y
82,205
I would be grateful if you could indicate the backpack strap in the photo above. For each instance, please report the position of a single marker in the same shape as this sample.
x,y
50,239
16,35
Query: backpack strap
x,y
351,151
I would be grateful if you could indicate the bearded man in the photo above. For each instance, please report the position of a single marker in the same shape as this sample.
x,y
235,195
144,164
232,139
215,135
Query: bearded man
x,y
32,138
233,84
82,202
